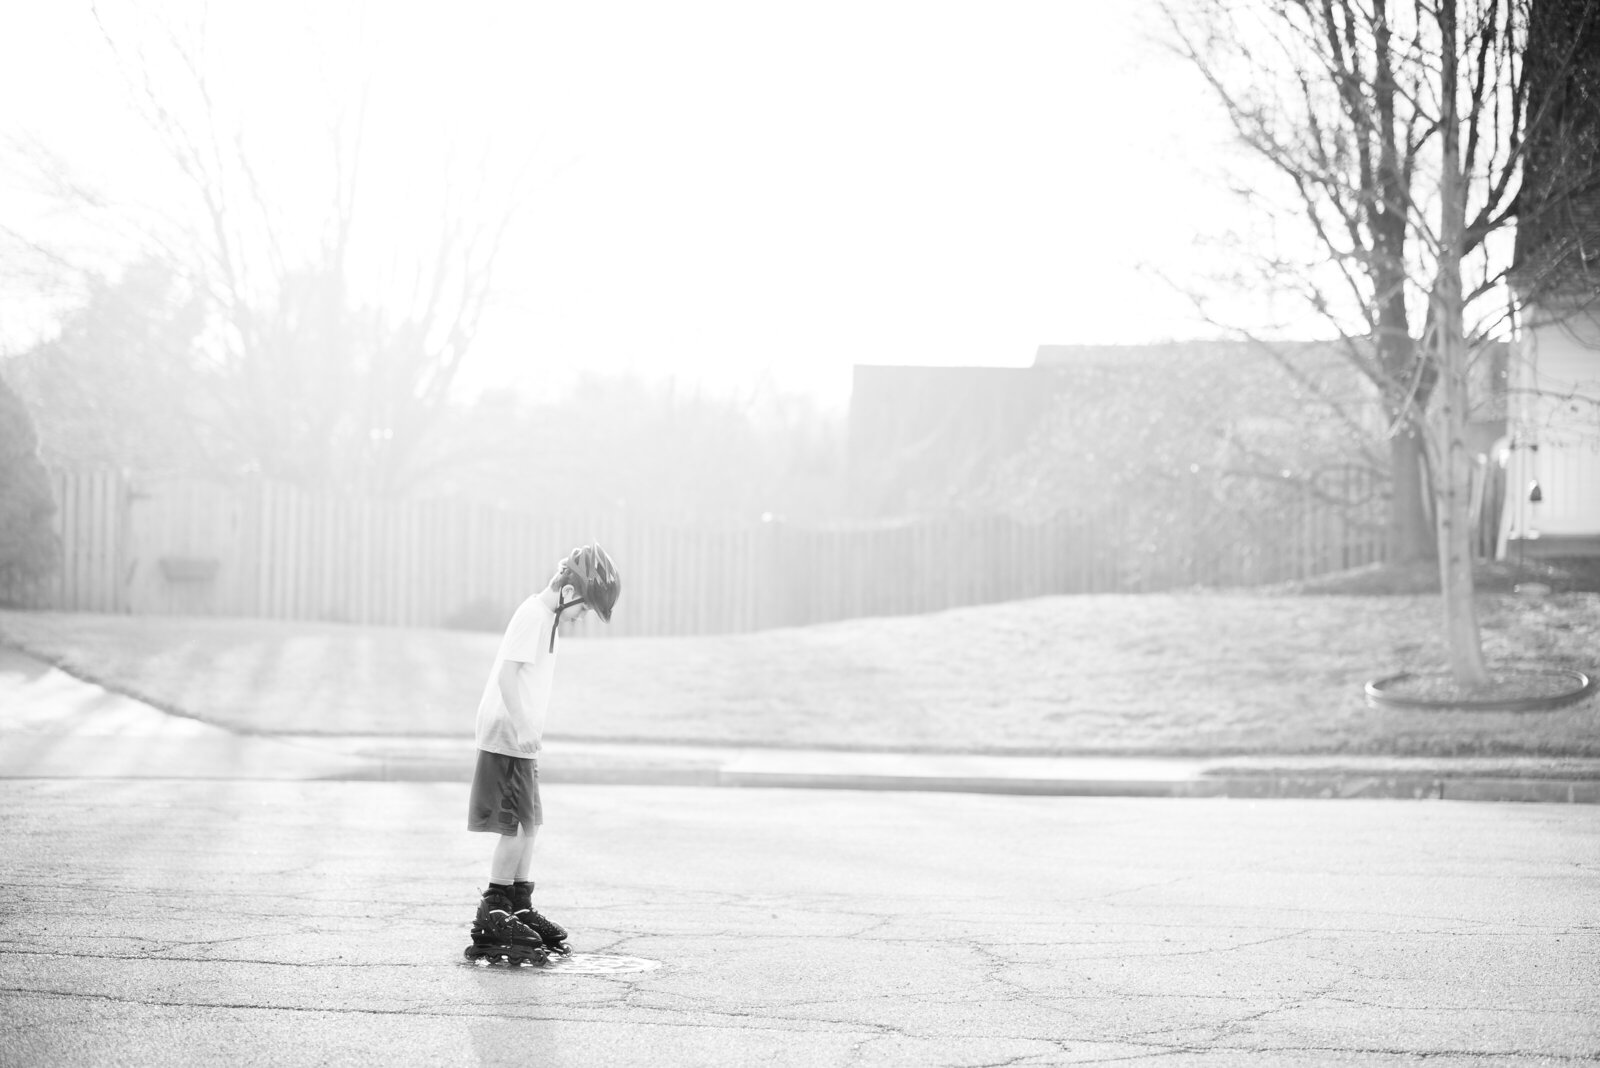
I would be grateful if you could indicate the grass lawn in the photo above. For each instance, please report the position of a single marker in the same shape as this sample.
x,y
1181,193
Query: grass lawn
x,y
1193,673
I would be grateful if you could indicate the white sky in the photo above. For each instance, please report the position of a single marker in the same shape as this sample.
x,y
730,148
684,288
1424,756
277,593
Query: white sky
x,y
739,194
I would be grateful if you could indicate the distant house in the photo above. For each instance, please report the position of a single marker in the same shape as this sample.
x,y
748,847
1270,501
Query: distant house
x,y
920,437
1553,455
934,439
928,439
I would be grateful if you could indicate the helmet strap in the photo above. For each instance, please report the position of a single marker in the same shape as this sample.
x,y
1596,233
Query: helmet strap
x,y
555,626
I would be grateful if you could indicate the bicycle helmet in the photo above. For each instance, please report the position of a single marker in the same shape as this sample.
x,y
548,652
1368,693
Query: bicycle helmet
x,y
594,579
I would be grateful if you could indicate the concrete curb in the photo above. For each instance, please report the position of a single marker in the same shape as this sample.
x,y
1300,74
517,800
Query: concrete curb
x,y
192,758
53,726
1330,785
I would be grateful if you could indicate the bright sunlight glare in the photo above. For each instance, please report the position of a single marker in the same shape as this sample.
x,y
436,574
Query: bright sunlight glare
x,y
736,196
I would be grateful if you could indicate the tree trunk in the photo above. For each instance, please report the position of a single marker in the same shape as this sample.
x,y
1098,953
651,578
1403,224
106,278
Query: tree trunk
x,y
1411,533
1455,541
1453,471
1411,530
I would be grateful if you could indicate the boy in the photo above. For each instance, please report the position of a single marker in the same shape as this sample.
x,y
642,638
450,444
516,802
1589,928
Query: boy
x,y
505,786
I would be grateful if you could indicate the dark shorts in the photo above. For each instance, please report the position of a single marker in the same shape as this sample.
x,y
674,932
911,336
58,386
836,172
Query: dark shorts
x,y
505,794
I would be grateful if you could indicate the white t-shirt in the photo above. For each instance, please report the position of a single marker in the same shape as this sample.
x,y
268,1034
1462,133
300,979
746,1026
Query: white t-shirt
x,y
527,643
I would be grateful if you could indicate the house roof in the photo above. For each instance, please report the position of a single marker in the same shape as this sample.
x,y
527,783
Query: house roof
x,y
1558,251
1159,352
1235,355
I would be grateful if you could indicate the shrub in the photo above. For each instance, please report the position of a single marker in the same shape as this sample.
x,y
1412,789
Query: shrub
x,y
29,549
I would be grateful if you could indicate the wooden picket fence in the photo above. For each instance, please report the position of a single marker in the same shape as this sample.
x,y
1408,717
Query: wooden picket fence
x,y
90,520
181,546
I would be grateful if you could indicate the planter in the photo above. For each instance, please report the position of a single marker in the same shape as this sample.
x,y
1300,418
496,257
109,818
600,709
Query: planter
x,y
1542,691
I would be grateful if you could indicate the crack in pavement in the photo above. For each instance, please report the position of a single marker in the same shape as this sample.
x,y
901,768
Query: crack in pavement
x,y
170,959
1168,954
762,1020
1543,1057
471,1014
821,916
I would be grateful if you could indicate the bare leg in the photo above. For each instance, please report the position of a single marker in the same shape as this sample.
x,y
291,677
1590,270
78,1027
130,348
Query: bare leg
x,y
513,856
525,860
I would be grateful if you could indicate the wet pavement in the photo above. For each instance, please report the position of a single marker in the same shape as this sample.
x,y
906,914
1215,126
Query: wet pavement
x,y
287,923
177,894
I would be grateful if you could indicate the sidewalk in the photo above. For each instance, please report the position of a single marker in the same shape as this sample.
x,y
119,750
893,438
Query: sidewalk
x,y
55,726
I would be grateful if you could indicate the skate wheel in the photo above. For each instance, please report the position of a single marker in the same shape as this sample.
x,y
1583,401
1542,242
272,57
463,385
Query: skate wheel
x,y
481,962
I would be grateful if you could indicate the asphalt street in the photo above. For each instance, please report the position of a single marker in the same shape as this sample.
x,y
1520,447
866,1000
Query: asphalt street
x,y
257,922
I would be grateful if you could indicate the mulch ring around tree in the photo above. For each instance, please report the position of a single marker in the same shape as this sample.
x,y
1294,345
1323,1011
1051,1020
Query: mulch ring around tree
x,y
1508,690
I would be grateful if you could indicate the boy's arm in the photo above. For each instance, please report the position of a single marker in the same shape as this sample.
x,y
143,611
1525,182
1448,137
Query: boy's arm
x,y
511,694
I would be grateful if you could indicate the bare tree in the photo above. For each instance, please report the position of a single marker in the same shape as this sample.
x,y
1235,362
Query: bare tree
x,y
119,383
333,354
1399,131
1338,126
